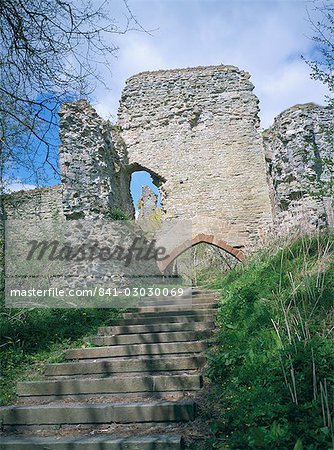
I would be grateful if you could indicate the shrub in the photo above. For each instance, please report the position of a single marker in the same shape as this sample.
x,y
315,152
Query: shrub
x,y
117,214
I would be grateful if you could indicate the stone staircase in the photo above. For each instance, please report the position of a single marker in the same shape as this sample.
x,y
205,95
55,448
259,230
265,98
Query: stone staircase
x,y
135,390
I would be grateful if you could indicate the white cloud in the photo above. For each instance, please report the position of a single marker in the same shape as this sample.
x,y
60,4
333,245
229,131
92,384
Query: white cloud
x,y
141,54
136,55
264,37
104,108
17,185
290,85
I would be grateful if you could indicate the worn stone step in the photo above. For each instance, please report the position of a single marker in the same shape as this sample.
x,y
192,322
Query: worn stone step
x,y
164,318
110,385
187,293
159,313
158,442
107,398
185,305
155,328
170,306
137,349
107,367
174,308
203,291
149,338
203,296
178,301
106,413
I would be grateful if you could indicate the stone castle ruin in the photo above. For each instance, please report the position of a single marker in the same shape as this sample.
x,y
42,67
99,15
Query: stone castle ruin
x,y
197,132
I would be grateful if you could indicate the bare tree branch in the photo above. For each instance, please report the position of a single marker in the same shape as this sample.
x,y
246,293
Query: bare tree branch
x,y
51,51
322,65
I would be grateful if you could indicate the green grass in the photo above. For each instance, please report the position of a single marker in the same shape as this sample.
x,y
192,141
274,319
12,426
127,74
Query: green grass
x,y
272,367
31,338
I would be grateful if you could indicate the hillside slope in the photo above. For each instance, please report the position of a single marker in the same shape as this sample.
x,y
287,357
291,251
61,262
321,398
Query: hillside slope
x,y
272,368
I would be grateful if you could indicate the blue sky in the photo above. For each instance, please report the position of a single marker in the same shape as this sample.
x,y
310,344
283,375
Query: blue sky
x,y
266,38
138,180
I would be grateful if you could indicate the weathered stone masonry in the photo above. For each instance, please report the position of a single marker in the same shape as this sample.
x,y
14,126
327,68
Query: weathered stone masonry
x,y
300,160
93,176
43,203
197,132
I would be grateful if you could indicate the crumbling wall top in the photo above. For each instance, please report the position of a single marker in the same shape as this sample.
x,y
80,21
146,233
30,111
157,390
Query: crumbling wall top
x,y
189,70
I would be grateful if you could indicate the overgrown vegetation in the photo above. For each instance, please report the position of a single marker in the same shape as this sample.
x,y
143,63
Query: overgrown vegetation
x,y
272,368
29,339
117,214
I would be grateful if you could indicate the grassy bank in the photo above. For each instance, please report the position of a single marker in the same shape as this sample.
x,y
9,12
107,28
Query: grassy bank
x,y
272,369
29,339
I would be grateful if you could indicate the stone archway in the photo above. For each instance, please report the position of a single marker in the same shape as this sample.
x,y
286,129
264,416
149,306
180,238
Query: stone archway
x,y
199,238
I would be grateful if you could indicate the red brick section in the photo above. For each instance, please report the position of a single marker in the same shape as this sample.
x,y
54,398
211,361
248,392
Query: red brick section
x,y
207,238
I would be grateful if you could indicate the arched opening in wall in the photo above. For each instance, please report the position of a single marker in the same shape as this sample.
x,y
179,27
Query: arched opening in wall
x,y
145,193
201,257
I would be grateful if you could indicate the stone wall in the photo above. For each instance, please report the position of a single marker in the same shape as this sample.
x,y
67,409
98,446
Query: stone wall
x,y
197,132
300,160
92,169
40,204
147,204
44,203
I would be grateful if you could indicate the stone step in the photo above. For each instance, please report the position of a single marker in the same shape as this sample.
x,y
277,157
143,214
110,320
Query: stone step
x,y
155,328
118,397
188,304
137,349
178,300
164,318
193,294
145,374
106,413
200,289
205,296
186,293
159,313
174,308
158,383
149,338
107,367
161,442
